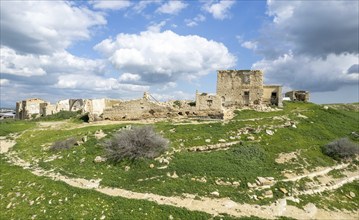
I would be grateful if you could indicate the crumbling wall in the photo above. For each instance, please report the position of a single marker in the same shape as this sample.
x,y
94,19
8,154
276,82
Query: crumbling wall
x,y
298,95
47,109
27,108
206,102
240,87
272,95
136,109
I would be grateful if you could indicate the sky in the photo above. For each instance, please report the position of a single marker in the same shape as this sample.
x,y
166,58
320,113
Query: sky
x,y
119,49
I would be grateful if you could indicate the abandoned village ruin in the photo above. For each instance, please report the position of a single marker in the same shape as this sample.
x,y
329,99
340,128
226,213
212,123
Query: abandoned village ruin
x,y
235,89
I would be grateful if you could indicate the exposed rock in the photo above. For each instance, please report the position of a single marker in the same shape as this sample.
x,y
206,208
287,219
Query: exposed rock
x,y
294,126
127,168
208,140
100,134
250,138
215,193
268,194
84,139
173,130
174,176
152,165
269,132
352,194
161,168
78,143
311,209
325,107
232,138
82,160
221,140
170,217
99,159
235,183
283,190
264,181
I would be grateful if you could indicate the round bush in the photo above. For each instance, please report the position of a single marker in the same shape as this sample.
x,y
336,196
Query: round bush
x,y
139,142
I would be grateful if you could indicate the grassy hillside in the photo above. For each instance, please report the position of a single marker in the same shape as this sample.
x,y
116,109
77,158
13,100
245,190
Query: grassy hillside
x,y
260,138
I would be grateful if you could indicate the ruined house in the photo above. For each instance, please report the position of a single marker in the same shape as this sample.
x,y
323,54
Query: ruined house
x,y
298,95
238,88
29,108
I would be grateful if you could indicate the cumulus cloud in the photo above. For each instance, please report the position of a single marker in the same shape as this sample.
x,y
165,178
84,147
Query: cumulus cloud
x,y
28,65
156,27
161,57
129,77
171,7
111,5
310,45
4,82
219,9
194,22
252,45
40,27
97,83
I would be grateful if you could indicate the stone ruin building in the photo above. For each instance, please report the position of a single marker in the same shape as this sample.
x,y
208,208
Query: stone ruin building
x,y
239,88
298,95
235,89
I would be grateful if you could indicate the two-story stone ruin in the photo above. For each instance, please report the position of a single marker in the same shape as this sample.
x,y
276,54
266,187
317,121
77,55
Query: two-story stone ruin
x,y
239,88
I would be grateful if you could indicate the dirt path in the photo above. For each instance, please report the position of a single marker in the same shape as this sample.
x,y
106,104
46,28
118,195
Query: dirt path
x,y
212,206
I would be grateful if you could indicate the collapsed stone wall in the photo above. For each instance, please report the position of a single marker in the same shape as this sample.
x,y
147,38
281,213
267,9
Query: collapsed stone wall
x,y
272,95
240,87
206,102
298,95
25,109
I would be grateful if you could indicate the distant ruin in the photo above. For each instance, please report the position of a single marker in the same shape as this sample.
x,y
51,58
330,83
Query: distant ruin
x,y
235,89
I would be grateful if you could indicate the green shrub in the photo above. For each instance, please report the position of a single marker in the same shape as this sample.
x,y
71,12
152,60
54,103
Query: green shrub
x,y
341,149
140,142
65,144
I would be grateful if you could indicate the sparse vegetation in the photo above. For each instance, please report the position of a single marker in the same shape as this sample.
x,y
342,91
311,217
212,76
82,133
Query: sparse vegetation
x,y
62,115
63,145
139,142
341,149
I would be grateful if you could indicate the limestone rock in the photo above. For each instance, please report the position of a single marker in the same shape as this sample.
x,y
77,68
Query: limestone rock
x,y
221,140
325,107
84,139
208,140
99,159
215,193
152,165
269,132
127,168
352,194
250,138
283,190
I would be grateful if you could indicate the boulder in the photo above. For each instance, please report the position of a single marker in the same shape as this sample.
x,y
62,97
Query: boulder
x,y
269,132
250,138
283,190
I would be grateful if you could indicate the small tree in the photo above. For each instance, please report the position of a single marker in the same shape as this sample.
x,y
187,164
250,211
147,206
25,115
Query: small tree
x,y
140,142
341,149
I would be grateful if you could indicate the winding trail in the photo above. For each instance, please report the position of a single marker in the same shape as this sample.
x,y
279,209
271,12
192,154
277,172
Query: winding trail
x,y
213,206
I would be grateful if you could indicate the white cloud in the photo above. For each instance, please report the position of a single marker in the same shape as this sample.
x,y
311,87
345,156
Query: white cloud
x,y
4,82
140,6
28,65
97,83
166,56
156,27
45,26
111,5
311,45
175,95
129,77
308,73
219,10
252,45
194,22
171,7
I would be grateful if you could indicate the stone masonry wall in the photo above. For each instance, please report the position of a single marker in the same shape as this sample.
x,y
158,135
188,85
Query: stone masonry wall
x,y
240,87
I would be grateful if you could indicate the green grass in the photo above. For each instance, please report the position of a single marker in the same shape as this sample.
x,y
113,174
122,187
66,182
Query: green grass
x,y
14,126
242,162
48,199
